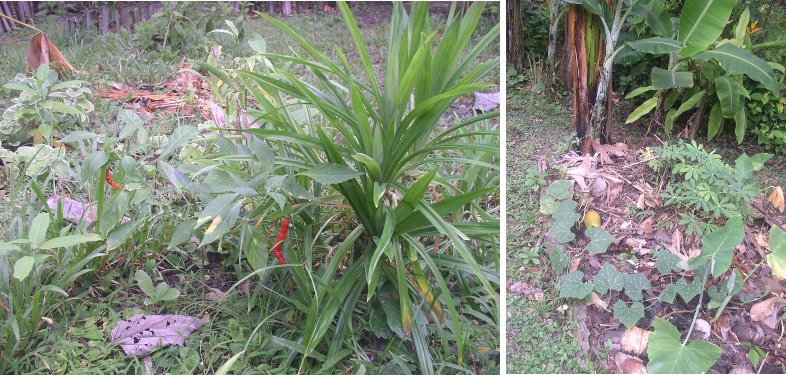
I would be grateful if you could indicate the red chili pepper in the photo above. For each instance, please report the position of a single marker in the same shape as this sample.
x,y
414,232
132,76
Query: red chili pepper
x,y
282,235
108,179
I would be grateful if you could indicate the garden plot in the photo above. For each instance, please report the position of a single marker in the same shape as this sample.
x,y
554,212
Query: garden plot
x,y
658,252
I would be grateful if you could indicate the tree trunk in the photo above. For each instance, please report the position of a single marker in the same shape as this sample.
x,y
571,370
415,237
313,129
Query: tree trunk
x,y
287,8
104,19
515,52
118,16
89,19
271,7
125,14
8,24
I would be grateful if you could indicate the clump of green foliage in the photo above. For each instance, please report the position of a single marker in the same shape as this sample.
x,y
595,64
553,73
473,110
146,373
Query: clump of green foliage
x,y
44,106
768,117
703,186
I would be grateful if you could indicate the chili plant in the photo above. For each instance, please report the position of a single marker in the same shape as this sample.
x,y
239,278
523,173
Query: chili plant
x,y
372,142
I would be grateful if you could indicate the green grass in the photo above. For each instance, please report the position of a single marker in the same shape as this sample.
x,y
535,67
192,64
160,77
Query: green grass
x,y
540,339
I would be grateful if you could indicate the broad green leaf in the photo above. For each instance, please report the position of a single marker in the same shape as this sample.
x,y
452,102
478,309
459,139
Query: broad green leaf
x,y
667,355
257,43
668,295
740,125
70,240
729,95
702,22
600,240
560,189
559,259
638,91
667,79
687,291
216,206
329,173
666,262
121,234
719,246
691,103
38,229
714,122
643,109
745,165
628,316
608,278
182,233
634,284
170,294
777,257
145,283
656,45
222,223
656,16
178,138
573,287
23,267
175,176
736,60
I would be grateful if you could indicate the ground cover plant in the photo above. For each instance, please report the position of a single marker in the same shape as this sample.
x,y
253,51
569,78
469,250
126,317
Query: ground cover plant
x,y
656,250
292,203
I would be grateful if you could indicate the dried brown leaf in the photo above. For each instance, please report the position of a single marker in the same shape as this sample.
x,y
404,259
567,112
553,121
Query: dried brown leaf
x,y
767,311
635,340
776,198
42,51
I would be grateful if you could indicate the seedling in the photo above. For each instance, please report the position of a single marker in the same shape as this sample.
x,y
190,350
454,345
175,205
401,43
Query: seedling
x,y
161,292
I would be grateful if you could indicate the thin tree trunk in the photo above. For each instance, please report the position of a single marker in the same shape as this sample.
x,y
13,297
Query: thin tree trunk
x,y
697,118
287,8
118,21
271,7
515,51
125,14
104,19
8,25
89,19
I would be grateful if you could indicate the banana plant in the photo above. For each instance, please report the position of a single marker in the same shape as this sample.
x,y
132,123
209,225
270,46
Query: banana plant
x,y
704,72
594,30
375,142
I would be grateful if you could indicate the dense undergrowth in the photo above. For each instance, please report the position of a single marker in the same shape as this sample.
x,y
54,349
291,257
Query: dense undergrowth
x,y
382,216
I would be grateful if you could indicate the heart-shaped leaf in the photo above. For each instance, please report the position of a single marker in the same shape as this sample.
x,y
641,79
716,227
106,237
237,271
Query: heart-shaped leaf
x,y
608,278
719,246
688,291
628,316
600,240
666,262
634,284
668,356
573,286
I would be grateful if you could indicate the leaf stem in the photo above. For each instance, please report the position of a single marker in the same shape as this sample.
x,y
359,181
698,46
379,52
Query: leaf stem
x,y
698,306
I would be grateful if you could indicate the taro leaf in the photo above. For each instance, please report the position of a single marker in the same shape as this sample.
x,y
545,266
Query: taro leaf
x,y
667,355
777,260
573,287
745,165
143,333
666,262
628,316
688,291
559,260
669,294
634,284
719,246
330,173
600,240
608,278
